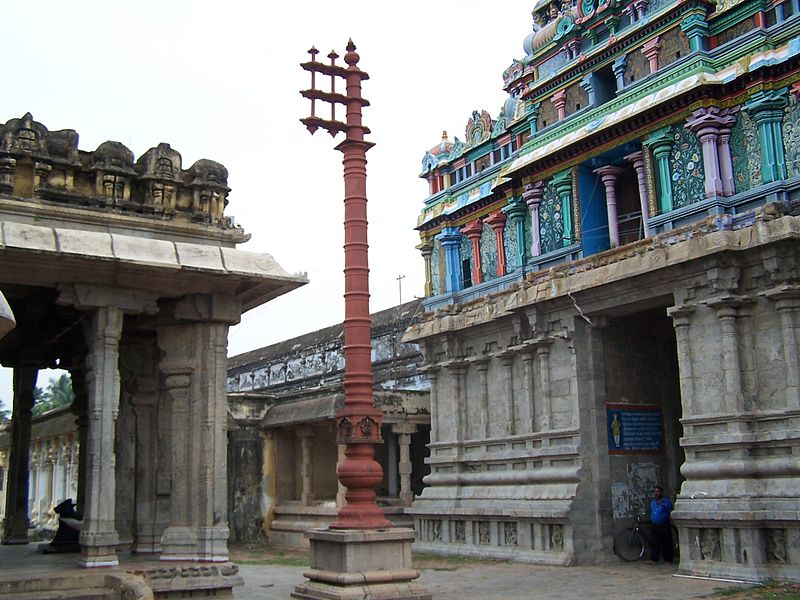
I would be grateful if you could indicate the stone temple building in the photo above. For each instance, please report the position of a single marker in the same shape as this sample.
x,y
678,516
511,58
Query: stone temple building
x,y
125,273
282,440
612,291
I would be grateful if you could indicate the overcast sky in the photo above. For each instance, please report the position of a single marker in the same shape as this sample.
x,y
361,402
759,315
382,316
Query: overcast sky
x,y
220,80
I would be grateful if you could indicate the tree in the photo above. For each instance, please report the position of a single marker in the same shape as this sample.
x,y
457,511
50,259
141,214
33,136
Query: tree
x,y
57,393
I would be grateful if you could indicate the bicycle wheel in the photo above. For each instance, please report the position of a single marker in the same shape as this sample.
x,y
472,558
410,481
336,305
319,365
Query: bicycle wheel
x,y
630,545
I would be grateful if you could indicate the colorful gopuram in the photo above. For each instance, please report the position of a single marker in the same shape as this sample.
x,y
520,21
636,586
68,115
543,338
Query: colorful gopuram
x,y
612,292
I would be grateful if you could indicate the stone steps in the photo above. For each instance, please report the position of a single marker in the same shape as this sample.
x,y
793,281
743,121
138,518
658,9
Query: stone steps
x,y
87,587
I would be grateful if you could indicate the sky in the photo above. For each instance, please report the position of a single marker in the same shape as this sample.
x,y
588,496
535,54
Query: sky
x,y
221,80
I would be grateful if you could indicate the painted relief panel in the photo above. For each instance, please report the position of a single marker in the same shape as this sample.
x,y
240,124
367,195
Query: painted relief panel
x,y
746,153
551,221
552,65
686,167
488,253
737,30
674,45
577,98
636,66
547,114
437,268
791,136
511,246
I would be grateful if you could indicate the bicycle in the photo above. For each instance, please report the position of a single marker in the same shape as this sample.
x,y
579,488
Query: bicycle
x,y
631,544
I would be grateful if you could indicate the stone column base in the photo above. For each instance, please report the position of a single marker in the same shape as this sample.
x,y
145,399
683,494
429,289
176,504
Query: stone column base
x,y
356,564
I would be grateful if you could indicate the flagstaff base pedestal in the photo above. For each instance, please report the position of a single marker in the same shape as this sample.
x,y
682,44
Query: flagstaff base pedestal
x,y
351,564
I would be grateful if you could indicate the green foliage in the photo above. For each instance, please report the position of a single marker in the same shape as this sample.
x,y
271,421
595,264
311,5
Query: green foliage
x,y
57,393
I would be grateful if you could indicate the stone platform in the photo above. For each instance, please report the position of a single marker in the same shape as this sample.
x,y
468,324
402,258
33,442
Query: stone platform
x,y
25,570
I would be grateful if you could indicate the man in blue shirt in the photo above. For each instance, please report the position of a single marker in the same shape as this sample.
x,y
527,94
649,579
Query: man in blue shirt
x,y
661,538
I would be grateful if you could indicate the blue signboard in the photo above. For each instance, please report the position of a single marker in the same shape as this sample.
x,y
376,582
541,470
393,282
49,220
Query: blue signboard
x,y
634,428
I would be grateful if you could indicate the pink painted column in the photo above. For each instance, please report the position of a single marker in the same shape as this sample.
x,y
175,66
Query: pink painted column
x,y
559,100
497,221
533,198
473,232
637,160
650,50
608,175
705,122
727,121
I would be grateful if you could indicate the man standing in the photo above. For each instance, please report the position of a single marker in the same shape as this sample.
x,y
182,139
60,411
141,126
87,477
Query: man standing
x,y
661,538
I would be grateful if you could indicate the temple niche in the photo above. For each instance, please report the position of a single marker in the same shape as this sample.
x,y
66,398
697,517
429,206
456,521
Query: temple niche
x,y
125,273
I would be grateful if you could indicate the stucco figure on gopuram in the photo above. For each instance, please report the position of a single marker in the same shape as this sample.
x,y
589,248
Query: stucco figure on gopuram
x,y
612,291
126,274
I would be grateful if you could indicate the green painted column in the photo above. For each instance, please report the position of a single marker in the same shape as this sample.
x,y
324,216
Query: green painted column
x,y
516,212
533,116
660,143
563,185
696,29
766,109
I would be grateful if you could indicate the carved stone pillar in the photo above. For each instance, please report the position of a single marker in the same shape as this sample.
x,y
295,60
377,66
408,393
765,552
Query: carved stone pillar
x,y
98,534
787,302
637,160
305,435
559,100
426,249
608,175
433,375
15,525
650,50
482,366
533,194
618,67
404,431
473,232
193,365
507,360
528,383
497,221
543,352
681,321
146,531
458,406
726,310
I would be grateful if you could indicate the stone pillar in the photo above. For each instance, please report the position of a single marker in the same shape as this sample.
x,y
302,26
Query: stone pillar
x,y
98,534
563,184
787,303
766,109
426,248
528,380
146,532
533,116
433,374
125,470
15,525
681,321
507,360
660,142
587,83
392,468
725,308
457,405
451,241
482,366
497,221
305,435
637,160
193,366
704,122
608,175
516,211
403,431
473,232
650,50
533,194
543,352
559,100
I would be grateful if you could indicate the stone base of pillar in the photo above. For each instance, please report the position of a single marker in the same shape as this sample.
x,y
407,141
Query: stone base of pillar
x,y
355,564
179,544
98,550
212,544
